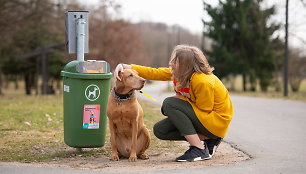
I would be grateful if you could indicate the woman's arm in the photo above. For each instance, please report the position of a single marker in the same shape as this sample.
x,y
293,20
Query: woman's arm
x,y
163,74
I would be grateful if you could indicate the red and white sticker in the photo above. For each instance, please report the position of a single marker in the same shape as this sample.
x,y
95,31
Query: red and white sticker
x,y
91,117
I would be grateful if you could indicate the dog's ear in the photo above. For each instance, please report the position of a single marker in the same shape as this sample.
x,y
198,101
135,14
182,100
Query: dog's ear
x,y
120,74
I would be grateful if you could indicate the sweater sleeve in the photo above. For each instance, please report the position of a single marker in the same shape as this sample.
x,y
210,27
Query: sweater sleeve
x,y
162,74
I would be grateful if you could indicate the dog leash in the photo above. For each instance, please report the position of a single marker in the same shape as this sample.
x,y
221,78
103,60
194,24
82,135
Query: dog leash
x,y
147,95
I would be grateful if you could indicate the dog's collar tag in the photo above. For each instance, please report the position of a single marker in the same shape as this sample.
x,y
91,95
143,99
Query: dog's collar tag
x,y
122,97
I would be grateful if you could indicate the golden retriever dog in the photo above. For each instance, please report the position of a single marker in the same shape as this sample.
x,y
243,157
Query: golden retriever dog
x,y
129,136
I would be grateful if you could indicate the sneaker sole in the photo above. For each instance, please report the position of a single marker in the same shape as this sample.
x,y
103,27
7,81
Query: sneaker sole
x,y
214,150
195,159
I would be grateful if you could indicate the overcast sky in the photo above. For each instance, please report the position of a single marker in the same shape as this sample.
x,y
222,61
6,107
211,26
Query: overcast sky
x,y
188,14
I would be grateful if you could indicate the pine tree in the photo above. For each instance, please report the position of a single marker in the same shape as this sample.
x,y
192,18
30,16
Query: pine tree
x,y
241,40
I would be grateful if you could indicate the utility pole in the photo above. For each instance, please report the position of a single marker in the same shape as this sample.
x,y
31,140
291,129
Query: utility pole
x,y
203,32
286,54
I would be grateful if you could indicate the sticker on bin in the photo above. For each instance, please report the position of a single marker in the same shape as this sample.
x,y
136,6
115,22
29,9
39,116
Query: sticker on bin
x,y
66,88
91,117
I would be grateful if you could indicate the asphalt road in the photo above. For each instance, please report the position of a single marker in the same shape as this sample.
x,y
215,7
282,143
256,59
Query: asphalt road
x,y
271,131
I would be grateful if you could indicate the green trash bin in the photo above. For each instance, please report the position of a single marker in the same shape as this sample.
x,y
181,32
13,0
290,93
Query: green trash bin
x,y
86,86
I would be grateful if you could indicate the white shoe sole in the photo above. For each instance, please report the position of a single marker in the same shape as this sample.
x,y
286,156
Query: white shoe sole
x,y
195,159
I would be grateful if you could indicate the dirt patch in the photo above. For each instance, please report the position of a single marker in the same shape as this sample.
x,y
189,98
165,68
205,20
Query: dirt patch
x,y
225,154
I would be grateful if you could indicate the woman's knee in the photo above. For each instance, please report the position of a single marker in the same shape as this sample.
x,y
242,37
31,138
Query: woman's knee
x,y
161,129
157,131
169,101
162,134
168,105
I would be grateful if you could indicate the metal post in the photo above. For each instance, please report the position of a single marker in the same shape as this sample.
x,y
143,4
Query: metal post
x,y
286,55
80,30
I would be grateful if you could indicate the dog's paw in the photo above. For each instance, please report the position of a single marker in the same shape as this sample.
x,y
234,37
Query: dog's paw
x,y
115,157
143,156
133,158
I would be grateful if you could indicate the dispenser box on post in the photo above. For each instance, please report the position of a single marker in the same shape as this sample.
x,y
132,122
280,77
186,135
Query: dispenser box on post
x,y
72,18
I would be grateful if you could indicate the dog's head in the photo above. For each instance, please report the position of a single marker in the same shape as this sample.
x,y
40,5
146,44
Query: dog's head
x,y
130,79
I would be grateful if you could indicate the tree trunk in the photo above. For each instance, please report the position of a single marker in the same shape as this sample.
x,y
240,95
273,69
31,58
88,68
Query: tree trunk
x,y
16,82
27,80
244,83
1,84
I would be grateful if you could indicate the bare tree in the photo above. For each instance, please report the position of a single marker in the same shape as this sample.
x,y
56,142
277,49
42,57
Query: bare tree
x,y
160,39
114,40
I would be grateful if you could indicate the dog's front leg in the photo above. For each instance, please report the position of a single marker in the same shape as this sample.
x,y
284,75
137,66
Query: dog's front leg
x,y
115,155
133,156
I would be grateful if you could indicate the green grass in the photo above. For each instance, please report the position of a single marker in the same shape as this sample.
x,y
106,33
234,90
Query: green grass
x,y
31,130
28,123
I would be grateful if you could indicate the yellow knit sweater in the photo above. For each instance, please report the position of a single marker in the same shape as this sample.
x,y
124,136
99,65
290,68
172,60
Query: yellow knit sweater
x,y
208,96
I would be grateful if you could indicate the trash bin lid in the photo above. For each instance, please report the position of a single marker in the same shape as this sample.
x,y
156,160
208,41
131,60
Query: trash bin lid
x,y
90,69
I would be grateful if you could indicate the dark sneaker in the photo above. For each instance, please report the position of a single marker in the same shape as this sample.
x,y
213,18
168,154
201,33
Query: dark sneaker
x,y
194,154
212,145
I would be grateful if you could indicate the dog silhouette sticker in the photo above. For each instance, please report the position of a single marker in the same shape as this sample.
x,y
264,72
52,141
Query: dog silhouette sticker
x,y
92,92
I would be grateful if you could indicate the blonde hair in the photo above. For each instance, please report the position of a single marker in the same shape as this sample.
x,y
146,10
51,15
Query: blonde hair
x,y
190,59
